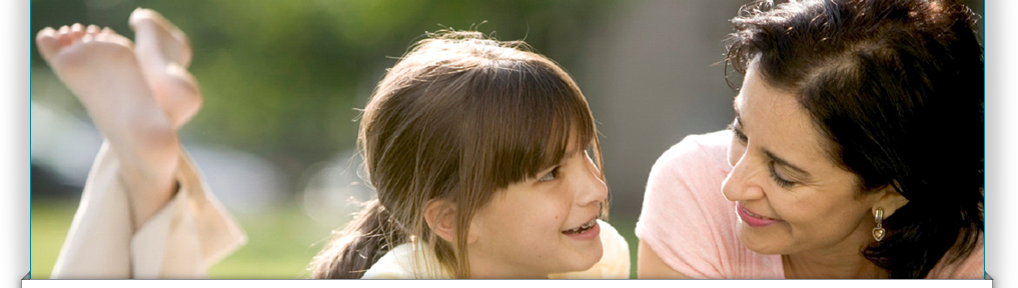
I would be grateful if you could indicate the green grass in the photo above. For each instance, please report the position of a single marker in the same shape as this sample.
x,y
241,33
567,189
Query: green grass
x,y
49,227
281,242
626,225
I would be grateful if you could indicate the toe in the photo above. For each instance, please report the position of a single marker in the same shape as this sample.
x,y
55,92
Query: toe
x,y
47,42
63,35
170,42
92,29
77,30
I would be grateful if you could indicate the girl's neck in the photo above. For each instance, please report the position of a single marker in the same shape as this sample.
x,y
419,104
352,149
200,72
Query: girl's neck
x,y
481,269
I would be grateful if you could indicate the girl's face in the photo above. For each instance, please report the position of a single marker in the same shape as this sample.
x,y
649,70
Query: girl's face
x,y
789,195
540,226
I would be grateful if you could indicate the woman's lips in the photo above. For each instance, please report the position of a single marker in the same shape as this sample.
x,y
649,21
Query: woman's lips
x,y
751,219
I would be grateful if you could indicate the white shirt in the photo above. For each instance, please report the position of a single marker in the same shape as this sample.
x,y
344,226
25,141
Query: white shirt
x,y
412,261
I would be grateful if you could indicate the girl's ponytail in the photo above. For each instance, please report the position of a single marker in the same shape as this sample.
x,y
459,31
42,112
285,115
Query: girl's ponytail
x,y
358,246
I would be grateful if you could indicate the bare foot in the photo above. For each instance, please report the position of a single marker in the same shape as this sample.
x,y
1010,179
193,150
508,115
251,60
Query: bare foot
x,y
164,53
100,68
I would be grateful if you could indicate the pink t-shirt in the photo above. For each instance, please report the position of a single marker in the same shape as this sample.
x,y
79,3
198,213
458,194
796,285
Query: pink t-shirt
x,y
691,226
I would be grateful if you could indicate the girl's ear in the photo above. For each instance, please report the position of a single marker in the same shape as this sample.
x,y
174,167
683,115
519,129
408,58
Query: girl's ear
x,y
440,216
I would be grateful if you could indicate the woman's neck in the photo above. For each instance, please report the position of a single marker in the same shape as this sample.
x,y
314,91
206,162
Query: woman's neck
x,y
808,265
840,261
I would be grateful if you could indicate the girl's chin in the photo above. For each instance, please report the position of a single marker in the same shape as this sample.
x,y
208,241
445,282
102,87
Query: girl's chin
x,y
585,261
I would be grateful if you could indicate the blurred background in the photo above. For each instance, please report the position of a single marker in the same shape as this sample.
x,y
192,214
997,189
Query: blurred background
x,y
282,80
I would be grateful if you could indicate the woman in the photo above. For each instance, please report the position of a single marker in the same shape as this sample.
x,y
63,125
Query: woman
x,y
856,151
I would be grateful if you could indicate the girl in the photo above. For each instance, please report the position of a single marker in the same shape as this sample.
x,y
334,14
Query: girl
x,y
478,150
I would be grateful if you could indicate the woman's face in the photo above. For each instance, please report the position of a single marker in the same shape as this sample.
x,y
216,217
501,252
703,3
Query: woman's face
x,y
789,195
541,226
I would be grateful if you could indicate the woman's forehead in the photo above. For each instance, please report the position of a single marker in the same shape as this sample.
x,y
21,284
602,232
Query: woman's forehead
x,y
774,119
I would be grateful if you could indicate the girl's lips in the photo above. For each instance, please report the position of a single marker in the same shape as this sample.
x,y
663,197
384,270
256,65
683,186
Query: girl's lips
x,y
751,219
587,234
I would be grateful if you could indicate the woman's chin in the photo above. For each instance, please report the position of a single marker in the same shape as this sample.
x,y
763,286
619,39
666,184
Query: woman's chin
x,y
758,242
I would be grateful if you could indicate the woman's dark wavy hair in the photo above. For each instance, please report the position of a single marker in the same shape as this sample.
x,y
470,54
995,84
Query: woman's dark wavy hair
x,y
897,88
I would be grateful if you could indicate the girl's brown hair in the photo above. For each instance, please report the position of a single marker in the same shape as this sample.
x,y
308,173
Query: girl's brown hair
x,y
457,118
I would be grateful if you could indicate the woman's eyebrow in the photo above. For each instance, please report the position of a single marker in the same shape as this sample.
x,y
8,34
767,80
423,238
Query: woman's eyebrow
x,y
735,106
785,163
738,116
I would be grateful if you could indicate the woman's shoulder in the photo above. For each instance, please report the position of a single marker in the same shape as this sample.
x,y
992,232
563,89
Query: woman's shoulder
x,y
697,160
970,267
711,147
695,166
685,218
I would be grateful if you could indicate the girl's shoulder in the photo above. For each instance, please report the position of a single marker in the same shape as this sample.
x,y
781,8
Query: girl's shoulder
x,y
614,263
407,261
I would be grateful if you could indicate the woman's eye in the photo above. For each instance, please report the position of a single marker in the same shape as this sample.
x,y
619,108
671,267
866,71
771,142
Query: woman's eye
x,y
738,133
550,176
778,179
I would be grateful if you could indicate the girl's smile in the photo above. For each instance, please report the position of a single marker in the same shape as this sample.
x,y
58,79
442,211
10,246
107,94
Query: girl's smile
x,y
587,231
541,226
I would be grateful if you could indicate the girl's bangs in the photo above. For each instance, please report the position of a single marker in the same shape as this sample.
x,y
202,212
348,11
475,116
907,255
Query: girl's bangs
x,y
543,117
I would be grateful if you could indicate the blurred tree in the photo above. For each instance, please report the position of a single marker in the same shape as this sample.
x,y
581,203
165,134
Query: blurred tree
x,y
282,79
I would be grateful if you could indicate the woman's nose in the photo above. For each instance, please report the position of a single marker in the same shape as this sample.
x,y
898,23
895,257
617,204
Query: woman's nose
x,y
741,184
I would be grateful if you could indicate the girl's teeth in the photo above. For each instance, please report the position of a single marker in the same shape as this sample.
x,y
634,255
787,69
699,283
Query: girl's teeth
x,y
582,228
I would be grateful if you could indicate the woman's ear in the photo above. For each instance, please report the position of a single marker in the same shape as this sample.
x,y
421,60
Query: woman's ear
x,y
440,216
890,200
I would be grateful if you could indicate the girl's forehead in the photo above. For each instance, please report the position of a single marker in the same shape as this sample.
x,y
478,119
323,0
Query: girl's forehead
x,y
577,145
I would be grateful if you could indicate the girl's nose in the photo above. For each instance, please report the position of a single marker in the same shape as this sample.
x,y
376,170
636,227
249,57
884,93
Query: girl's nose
x,y
592,189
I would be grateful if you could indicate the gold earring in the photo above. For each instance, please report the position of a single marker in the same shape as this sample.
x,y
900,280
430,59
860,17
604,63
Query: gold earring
x,y
879,232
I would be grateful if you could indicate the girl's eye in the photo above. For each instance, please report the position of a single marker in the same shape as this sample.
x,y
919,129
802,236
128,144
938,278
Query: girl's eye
x,y
778,179
550,176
